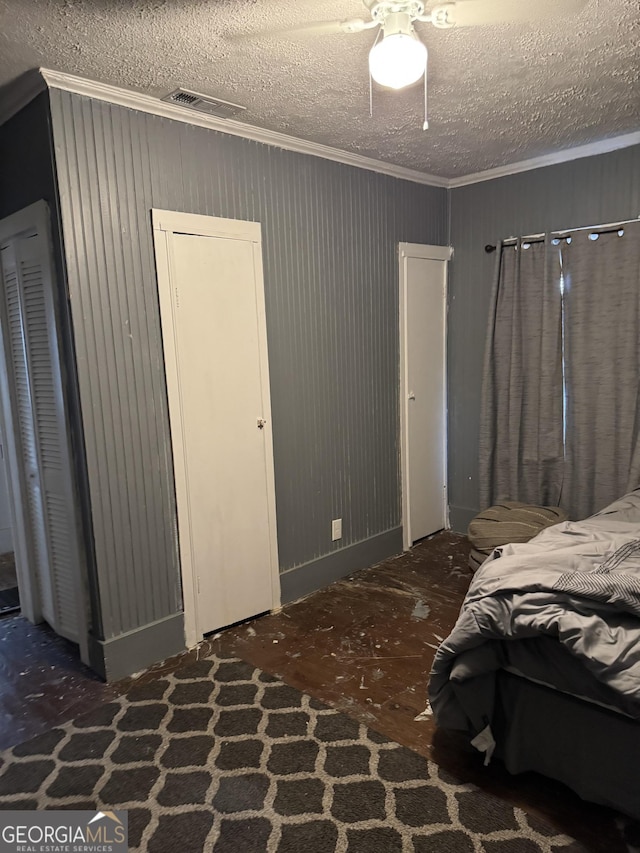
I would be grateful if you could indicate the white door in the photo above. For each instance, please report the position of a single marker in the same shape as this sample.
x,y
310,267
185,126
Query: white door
x,y
212,304
423,288
50,572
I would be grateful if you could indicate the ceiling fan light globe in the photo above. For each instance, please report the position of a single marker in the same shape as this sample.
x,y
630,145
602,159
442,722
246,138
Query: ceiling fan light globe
x,y
398,60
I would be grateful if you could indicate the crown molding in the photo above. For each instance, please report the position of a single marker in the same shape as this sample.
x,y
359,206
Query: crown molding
x,y
154,106
19,93
26,87
604,146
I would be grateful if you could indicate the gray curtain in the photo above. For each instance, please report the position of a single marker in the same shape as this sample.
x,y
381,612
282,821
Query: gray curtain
x,y
521,436
602,368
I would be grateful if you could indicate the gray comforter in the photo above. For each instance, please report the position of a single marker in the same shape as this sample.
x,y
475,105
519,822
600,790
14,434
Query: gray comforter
x,y
570,594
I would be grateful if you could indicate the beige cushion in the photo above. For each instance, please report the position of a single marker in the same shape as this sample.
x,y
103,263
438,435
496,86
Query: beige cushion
x,y
511,521
476,559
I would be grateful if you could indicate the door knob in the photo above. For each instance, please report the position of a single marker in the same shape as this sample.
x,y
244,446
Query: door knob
x,y
261,423
412,396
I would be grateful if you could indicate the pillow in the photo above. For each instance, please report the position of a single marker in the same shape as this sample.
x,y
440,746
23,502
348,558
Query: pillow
x,y
511,521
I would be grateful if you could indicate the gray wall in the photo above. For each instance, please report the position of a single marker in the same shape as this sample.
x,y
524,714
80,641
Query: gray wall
x,y
593,190
330,235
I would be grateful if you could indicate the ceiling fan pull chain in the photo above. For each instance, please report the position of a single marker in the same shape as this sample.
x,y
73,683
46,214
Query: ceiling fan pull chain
x,y
425,125
378,34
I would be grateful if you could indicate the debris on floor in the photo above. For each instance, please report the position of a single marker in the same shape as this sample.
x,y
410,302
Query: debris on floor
x,y
421,610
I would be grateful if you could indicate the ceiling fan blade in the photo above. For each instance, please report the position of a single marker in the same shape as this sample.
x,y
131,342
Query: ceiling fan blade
x,y
468,13
351,25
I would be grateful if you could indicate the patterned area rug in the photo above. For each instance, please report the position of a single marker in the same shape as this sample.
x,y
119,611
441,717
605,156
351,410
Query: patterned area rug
x,y
222,757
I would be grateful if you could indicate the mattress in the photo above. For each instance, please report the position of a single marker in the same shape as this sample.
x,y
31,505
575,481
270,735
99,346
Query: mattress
x,y
546,662
592,749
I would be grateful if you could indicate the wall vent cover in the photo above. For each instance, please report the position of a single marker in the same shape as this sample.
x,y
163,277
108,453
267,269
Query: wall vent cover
x,y
203,103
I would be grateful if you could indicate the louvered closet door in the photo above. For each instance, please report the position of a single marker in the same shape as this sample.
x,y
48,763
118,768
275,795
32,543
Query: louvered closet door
x,y
25,433
40,431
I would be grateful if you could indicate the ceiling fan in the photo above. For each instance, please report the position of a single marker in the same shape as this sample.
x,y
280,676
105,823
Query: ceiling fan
x,y
398,57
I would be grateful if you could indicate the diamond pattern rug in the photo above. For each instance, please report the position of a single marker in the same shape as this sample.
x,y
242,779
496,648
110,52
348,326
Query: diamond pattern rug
x,y
219,756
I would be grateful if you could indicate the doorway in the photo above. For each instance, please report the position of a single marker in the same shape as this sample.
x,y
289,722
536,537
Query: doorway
x,y
214,333
423,406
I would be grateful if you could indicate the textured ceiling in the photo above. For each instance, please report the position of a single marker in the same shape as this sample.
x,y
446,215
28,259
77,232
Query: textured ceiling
x,y
497,94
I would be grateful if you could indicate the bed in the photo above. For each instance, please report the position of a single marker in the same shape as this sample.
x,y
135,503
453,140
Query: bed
x,y
542,669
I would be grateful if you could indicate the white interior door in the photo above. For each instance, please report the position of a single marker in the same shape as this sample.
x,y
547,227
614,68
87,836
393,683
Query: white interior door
x,y
50,572
212,303
423,283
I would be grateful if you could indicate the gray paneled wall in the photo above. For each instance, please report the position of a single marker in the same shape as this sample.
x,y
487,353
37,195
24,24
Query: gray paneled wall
x,y
330,235
593,190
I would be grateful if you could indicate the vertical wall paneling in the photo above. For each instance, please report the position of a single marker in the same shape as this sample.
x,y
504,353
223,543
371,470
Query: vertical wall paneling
x,y
330,237
604,188
118,350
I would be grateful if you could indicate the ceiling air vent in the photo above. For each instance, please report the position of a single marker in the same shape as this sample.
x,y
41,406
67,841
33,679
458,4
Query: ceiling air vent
x,y
204,104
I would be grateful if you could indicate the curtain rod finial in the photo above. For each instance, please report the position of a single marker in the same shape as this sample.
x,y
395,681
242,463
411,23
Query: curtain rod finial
x,y
489,248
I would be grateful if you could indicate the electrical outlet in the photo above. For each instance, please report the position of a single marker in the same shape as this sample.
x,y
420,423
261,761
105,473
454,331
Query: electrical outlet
x,y
336,529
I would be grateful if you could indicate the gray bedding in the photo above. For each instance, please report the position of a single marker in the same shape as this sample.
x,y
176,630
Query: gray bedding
x,y
563,609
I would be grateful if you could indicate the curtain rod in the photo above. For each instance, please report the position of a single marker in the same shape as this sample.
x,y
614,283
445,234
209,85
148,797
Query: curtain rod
x,y
607,228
